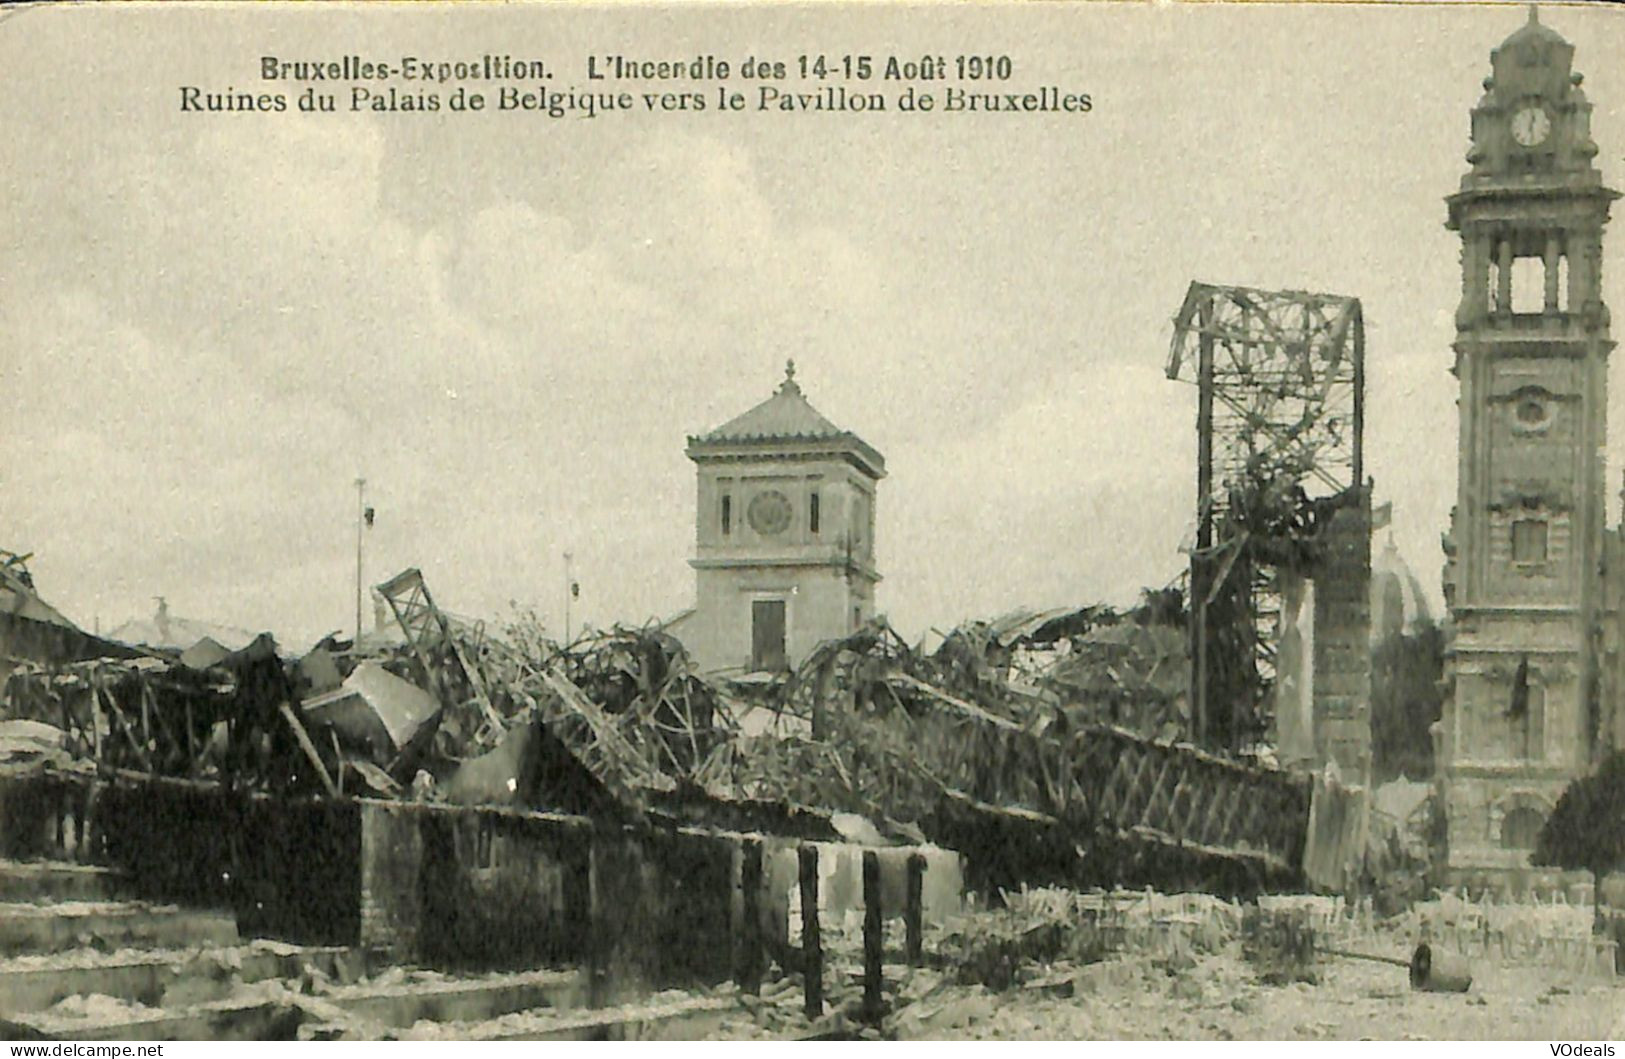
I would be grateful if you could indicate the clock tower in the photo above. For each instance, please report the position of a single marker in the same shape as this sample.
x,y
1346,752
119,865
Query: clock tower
x,y
784,536
1525,547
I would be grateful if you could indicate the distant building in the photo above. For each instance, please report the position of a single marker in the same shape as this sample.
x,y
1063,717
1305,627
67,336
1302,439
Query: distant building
x,y
1398,604
31,630
784,536
168,630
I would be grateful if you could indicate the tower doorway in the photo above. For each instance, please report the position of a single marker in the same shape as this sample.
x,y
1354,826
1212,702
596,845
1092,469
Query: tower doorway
x,y
767,635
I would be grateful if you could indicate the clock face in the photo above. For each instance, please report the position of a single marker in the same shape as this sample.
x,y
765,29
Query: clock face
x,y
769,513
1530,126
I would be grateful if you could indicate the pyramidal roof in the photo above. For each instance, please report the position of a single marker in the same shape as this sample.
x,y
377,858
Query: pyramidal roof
x,y
785,417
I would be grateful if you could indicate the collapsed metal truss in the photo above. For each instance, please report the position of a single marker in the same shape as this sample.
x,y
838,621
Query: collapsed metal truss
x,y
455,683
625,704
163,717
1280,379
977,762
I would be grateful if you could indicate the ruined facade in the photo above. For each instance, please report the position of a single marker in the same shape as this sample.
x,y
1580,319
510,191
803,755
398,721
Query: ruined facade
x,y
784,536
1526,544
1342,642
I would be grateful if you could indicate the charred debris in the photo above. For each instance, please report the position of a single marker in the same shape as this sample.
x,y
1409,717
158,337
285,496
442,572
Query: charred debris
x,y
1045,747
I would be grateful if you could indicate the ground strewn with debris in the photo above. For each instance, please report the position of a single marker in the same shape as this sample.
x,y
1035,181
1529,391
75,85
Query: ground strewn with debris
x,y
1049,963
1355,1001
1217,997
1057,964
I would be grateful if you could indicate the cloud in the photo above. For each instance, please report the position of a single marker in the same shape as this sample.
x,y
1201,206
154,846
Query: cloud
x,y
210,324
1059,502
262,328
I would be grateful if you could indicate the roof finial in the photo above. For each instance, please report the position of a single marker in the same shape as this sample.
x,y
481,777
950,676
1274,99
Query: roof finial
x,y
1534,14
789,385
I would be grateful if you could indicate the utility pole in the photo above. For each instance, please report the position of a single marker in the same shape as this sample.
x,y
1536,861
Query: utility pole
x,y
360,524
569,591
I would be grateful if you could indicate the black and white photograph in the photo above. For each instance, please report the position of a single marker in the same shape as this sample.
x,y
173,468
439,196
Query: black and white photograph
x,y
811,521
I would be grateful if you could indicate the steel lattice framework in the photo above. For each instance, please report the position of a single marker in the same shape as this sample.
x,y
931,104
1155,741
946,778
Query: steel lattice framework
x,y
445,668
1280,377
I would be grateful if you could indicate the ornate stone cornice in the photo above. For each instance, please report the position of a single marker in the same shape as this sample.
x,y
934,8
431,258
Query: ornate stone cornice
x,y
1534,495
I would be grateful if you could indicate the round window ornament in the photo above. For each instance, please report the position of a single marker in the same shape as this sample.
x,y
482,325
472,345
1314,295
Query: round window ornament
x,y
769,513
1532,413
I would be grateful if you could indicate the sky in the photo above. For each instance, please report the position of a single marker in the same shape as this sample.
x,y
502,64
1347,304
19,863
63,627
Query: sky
x,y
212,324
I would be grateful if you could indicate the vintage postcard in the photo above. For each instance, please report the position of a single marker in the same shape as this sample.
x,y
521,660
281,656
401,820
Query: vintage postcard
x,y
780,521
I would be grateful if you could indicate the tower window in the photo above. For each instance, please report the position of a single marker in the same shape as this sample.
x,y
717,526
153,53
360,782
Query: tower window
x,y
1528,285
727,514
812,513
1529,541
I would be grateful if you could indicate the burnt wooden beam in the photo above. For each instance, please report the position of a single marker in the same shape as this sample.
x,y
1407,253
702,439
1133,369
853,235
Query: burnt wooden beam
x,y
874,939
914,909
749,974
812,947
308,747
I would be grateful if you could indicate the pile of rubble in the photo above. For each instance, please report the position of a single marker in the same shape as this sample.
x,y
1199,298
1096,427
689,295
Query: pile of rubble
x,y
1020,731
847,730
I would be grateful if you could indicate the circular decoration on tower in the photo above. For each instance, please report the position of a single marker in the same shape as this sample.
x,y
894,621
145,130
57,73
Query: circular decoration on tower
x,y
1532,410
769,513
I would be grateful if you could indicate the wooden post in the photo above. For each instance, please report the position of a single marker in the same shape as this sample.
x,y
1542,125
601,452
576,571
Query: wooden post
x,y
338,756
749,974
874,938
127,729
820,722
308,747
1201,561
96,719
812,948
914,909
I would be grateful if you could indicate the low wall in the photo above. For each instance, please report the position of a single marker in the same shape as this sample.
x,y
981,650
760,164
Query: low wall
x,y
488,887
459,886
287,869
39,815
453,886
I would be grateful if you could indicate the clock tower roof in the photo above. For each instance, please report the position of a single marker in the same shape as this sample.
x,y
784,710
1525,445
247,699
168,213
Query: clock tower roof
x,y
1534,60
1534,29
1531,130
785,421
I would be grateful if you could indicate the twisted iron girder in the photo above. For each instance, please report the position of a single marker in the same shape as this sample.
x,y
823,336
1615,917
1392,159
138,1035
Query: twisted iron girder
x,y
1286,371
1280,422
